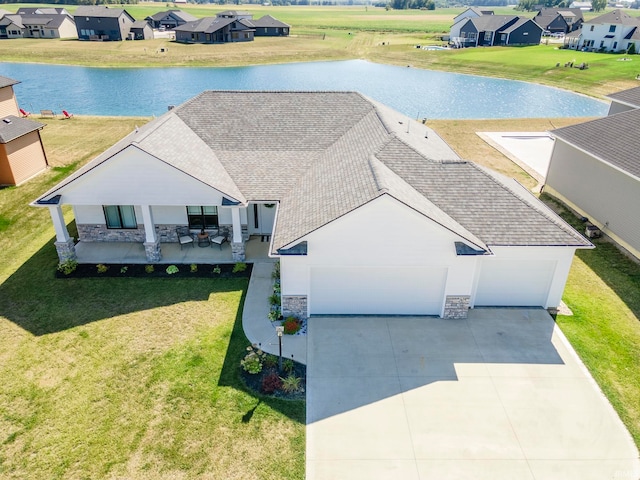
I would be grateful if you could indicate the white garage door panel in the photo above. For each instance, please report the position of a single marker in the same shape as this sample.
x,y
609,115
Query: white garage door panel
x,y
377,290
514,283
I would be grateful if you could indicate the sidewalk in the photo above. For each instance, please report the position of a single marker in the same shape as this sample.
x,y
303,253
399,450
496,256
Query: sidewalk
x,y
256,325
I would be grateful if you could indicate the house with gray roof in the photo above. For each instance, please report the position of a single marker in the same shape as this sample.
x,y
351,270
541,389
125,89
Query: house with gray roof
x,y
38,25
614,31
561,20
493,30
140,30
215,30
101,23
267,26
368,211
21,152
595,170
169,19
624,100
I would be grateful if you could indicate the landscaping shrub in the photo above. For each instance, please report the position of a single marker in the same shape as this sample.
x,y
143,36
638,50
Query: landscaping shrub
x,y
193,268
124,269
149,268
274,299
288,365
270,361
68,267
271,383
101,268
291,325
217,270
171,269
252,362
239,267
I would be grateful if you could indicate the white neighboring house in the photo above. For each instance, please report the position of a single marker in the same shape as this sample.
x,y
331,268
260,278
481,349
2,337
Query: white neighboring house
x,y
611,32
368,211
38,25
595,169
459,21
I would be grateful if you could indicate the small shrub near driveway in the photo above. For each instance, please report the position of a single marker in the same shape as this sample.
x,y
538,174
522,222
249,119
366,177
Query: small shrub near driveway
x,y
291,325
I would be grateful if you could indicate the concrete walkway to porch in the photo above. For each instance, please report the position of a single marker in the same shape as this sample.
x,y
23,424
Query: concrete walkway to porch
x,y
256,325
132,252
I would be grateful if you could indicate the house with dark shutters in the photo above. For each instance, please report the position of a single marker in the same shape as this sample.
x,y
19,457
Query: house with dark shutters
x,y
561,20
100,23
215,30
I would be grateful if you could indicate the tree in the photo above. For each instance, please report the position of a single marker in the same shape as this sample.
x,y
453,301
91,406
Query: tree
x,y
598,5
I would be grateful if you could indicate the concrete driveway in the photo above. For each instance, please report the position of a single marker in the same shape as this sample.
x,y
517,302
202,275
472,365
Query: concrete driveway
x,y
500,395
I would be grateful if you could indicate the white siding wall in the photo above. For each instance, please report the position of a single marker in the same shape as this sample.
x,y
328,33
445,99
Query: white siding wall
x,y
597,191
600,32
133,177
523,276
376,238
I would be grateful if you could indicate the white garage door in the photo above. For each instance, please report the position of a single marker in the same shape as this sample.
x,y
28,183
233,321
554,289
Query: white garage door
x,y
377,290
514,283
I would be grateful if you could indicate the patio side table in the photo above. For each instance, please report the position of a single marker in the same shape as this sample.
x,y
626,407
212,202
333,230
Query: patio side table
x,y
203,240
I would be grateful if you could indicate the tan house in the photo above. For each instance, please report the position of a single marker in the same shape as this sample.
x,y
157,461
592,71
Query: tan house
x,y
21,152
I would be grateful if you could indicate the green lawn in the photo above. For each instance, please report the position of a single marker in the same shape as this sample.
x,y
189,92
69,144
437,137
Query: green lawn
x,y
124,378
603,292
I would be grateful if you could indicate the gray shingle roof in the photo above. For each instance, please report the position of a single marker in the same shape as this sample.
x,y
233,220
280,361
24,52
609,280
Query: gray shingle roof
x,y
518,24
616,17
492,23
100,12
325,154
268,21
205,25
629,97
12,127
187,17
7,82
613,139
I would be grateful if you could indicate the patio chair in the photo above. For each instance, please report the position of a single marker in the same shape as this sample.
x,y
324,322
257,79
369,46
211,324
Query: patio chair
x,y
24,113
219,240
185,237
66,115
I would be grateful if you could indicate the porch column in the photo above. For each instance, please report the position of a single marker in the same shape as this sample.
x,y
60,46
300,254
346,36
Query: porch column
x,y
151,240
64,243
237,243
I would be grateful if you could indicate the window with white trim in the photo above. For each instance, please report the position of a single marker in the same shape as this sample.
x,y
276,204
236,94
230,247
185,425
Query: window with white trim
x,y
120,216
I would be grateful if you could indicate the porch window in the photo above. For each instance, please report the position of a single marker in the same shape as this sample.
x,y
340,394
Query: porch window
x,y
202,217
120,216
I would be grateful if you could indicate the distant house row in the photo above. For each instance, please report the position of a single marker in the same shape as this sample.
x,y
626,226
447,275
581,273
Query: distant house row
x,y
477,27
101,23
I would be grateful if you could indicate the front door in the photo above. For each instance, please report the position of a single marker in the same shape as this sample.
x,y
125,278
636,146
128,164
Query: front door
x,y
261,217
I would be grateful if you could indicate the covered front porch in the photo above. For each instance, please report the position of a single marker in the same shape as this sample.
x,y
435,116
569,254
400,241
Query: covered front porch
x,y
256,250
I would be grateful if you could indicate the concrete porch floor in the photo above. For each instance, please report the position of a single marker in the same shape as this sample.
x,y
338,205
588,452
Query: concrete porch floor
x,y
129,252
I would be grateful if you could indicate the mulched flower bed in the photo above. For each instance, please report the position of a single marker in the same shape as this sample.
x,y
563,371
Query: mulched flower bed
x,y
202,270
254,381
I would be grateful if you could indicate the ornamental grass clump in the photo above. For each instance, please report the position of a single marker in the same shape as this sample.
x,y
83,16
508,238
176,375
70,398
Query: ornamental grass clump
x,y
291,383
239,267
171,269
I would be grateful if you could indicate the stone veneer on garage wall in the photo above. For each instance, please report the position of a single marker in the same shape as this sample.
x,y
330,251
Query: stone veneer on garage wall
x,y
456,306
294,306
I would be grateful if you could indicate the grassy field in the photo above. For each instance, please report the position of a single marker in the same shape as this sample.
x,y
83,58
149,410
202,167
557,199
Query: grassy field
x,y
340,33
123,378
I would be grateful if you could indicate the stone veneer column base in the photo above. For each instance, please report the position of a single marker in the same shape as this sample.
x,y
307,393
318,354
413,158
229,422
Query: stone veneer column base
x,y
66,250
456,306
294,306
153,251
237,251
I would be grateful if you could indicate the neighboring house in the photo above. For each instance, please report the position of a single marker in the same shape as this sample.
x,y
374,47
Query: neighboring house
x,y
46,25
102,23
140,30
42,11
21,152
611,32
561,20
492,30
584,6
170,19
240,15
624,100
267,26
595,170
366,215
215,30
459,20
11,27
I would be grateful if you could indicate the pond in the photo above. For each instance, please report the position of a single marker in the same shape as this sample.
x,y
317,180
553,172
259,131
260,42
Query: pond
x,y
416,93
